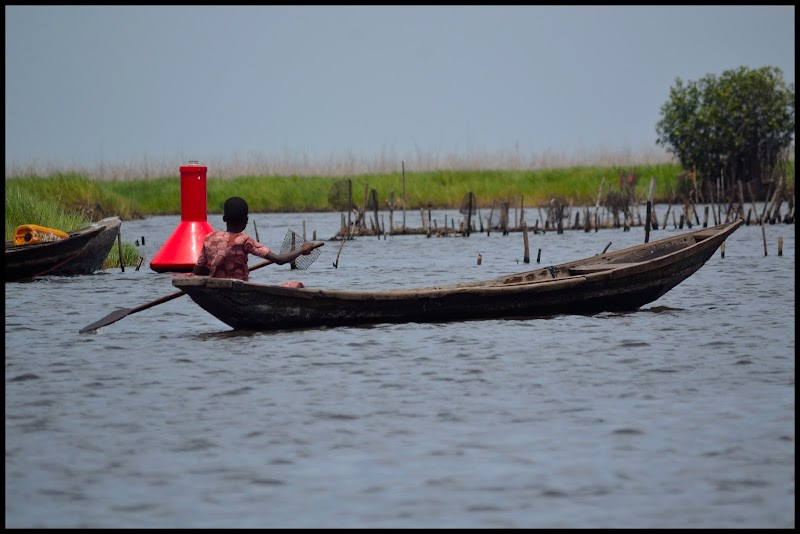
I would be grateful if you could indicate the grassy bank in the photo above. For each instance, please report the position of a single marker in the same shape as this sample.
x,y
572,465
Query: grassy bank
x,y
25,205
138,198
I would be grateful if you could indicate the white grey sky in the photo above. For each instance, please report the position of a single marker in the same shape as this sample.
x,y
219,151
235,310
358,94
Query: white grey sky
x,y
119,84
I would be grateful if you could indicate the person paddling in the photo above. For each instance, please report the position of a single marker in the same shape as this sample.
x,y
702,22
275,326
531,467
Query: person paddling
x,y
225,252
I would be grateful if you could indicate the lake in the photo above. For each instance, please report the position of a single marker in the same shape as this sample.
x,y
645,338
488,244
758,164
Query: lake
x,y
679,415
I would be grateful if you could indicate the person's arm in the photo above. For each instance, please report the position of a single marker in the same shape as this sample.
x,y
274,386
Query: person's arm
x,y
292,255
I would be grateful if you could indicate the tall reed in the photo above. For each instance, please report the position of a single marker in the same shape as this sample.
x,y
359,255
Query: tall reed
x,y
24,206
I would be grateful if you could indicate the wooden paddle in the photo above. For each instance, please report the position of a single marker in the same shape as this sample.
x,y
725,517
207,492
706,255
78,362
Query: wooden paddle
x,y
115,316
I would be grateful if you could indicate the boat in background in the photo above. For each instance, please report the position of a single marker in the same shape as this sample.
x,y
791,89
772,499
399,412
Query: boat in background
x,y
82,252
622,280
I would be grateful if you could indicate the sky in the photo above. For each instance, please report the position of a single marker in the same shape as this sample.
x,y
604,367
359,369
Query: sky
x,y
89,86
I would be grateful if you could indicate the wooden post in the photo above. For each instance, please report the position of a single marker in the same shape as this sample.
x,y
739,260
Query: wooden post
x,y
648,215
538,255
752,203
429,222
364,207
764,237
705,217
780,246
669,208
526,257
293,263
119,248
741,198
403,163
766,203
722,249
391,218
774,205
471,200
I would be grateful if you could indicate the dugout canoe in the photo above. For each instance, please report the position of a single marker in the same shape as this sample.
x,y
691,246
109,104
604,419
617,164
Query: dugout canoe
x,y
82,252
622,280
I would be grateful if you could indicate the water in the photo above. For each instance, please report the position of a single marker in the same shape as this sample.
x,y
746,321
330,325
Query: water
x,y
679,415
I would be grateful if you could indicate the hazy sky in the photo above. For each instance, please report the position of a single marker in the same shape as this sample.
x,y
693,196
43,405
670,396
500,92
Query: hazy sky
x,y
119,84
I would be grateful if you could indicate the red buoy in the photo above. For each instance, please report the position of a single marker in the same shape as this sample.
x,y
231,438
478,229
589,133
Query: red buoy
x,y
179,253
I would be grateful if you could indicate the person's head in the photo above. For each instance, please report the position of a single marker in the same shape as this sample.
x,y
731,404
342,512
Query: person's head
x,y
235,212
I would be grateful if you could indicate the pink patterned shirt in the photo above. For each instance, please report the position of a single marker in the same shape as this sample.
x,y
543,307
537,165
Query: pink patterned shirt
x,y
225,254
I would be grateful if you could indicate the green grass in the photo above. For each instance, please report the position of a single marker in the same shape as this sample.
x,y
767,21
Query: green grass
x,y
444,189
24,206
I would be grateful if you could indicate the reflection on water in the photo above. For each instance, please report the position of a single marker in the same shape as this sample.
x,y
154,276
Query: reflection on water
x,y
679,415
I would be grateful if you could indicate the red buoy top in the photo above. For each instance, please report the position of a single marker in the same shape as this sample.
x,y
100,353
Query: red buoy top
x,y
193,193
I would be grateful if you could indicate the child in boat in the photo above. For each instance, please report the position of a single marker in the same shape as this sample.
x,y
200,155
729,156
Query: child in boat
x,y
225,252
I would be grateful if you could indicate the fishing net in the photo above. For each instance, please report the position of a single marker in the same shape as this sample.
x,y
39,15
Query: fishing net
x,y
340,195
372,200
293,241
468,204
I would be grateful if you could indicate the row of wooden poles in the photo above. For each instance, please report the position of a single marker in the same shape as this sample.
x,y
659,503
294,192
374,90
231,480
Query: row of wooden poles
x,y
771,213
557,213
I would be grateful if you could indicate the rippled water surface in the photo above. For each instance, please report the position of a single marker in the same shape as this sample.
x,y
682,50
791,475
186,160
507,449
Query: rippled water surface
x,y
679,415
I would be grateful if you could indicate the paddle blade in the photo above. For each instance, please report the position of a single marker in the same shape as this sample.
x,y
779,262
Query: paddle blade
x,y
111,318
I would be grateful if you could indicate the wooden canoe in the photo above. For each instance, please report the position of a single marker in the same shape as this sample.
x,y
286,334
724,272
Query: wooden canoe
x,y
82,252
622,280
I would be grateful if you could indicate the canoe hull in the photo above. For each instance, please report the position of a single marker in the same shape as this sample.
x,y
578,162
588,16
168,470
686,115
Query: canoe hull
x,y
93,255
82,253
620,281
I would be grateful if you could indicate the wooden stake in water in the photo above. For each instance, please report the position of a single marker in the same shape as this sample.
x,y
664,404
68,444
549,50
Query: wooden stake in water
x,y
780,246
119,248
526,258
649,211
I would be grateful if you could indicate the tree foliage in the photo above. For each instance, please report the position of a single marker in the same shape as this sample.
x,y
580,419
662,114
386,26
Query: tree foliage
x,y
738,126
